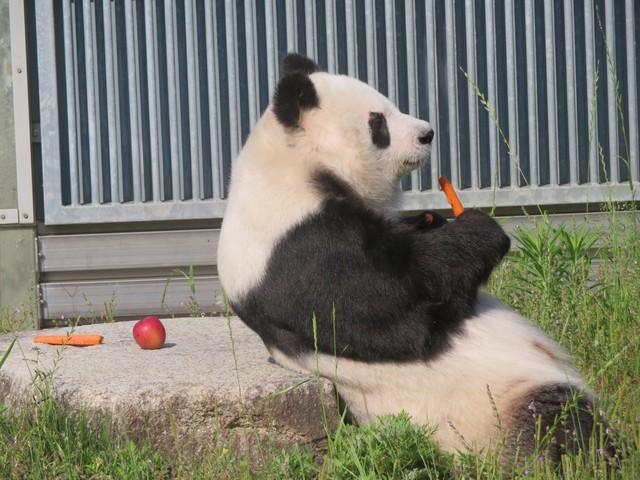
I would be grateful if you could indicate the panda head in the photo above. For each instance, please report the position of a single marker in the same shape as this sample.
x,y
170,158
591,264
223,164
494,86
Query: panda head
x,y
343,125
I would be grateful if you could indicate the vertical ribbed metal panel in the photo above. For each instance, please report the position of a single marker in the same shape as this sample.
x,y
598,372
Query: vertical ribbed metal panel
x,y
532,102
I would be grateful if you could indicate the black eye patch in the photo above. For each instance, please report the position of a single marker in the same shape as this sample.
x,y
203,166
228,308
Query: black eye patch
x,y
379,131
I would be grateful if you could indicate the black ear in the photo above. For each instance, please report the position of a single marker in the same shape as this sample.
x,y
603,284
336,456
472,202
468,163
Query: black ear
x,y
296,63
294,93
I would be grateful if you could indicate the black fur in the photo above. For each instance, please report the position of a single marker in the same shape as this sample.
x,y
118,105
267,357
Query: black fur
x,y
559,418
379,130
296,63
399,291
294,94
425,221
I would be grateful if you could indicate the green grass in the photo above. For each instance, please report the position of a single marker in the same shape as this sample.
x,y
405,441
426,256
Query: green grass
x,y
48,442
580,284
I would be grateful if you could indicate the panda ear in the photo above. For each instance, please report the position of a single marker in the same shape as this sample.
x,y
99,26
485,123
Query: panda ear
x,y
296,63
295,92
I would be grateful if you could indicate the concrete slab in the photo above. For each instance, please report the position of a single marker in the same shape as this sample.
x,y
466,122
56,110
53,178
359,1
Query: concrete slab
x,y
193,393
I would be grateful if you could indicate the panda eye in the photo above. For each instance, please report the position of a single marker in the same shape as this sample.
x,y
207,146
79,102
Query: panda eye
x,y
379,131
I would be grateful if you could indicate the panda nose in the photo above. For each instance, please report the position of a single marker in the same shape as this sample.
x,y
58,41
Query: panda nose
x,y
426,137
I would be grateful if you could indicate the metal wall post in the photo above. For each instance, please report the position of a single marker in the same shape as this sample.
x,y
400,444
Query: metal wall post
x,y
18,294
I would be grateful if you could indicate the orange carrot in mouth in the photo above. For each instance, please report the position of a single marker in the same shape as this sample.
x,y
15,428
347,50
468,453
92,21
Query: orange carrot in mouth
x,y
75,340
451,195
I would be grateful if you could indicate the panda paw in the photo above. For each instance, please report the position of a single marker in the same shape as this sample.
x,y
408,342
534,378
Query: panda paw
x,y
485,228
427,220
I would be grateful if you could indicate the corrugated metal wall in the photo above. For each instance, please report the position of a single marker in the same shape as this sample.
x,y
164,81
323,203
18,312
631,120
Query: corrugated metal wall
x,y
144,104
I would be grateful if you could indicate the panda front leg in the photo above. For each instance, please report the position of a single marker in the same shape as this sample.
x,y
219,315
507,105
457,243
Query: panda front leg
x,y
376,290
455,259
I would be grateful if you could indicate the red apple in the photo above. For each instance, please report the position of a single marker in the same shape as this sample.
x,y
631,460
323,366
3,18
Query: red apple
x,y
149,333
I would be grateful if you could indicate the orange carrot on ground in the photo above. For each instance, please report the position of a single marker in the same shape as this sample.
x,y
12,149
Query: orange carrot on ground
x,y
75,340
451,195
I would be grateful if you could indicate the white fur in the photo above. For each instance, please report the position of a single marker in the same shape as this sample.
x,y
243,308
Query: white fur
x,y
269,190
498,350
269,194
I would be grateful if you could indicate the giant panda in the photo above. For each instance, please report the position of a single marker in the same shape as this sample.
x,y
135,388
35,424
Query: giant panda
x,y
310,239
